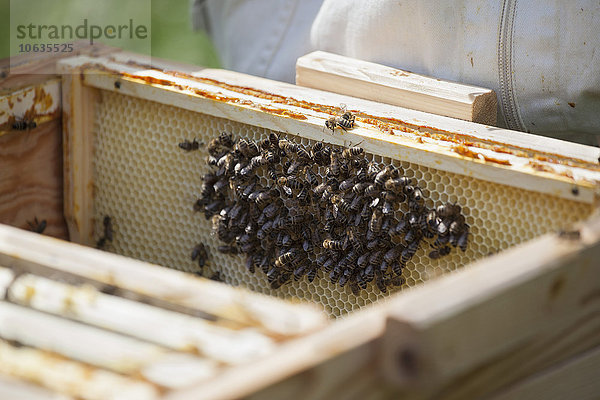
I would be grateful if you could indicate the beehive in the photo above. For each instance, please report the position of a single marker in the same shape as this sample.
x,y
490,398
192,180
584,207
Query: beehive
x,y
136,154
123,121
143,180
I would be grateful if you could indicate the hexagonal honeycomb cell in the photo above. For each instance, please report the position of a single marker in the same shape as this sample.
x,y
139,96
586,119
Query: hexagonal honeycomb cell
x,y
148,186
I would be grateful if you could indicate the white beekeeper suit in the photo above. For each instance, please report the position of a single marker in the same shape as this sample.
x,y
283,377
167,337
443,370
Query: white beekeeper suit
x,y
541,57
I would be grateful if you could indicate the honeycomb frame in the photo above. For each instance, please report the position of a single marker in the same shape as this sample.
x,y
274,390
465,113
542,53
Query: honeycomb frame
x,y
148,186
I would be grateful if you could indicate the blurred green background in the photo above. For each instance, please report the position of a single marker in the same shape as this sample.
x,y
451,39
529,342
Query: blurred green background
x,y
171,33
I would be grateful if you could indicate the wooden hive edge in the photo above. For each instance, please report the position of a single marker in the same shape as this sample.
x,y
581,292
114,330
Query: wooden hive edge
x,y
302,111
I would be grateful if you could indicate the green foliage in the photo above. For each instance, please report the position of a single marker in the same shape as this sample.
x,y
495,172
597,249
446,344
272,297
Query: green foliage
x,y
171,33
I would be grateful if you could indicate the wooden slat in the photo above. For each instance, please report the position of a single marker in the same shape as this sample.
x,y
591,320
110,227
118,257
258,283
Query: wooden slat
x,y
42,255
101,348
337,362
14,389
6,278
496,307
78,113
367,80
170,329
545,350
72,378
31,178
575,379
286,115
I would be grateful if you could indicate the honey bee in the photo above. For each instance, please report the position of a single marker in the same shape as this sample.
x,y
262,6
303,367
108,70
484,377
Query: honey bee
x,y
393,253
107,233
363,260
352,152
335,244
341,203
463,239
346,184
189,146
37,226
216,277
569,234
199,253
439,252
396,185
345,121
23,124
409,252
228,249
376,222
290,182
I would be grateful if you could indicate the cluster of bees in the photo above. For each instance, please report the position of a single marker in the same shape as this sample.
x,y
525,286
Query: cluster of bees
x,y
355,223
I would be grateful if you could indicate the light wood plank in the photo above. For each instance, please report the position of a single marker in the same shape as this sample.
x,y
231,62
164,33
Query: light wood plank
x,y
43,255
337,362
495,307
545,350
14,389
69,377
6,278
31,179
575,379
371,81
101,348
170,329
291,116
78,116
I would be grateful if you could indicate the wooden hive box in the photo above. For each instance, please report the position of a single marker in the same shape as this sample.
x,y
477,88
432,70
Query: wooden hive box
x,y
514,315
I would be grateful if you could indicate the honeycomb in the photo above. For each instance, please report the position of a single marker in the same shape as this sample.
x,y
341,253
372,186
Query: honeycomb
x,y
148,186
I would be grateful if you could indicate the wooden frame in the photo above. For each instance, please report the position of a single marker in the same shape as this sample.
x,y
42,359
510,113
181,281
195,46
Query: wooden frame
x,y
366,80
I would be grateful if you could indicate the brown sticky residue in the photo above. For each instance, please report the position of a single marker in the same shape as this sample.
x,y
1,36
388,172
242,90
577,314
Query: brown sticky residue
x,y
399,73
283,112
571,104
465,151
496,160
567,174
42,98
540,167
384,124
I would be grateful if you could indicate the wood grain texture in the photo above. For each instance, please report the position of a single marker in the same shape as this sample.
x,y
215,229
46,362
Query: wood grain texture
x,y
39,103
31,180
576,378
371,81
500,319
49,257
78,103
14,389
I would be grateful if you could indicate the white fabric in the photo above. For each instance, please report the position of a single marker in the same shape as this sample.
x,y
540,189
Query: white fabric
x,y
541,57
260,37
